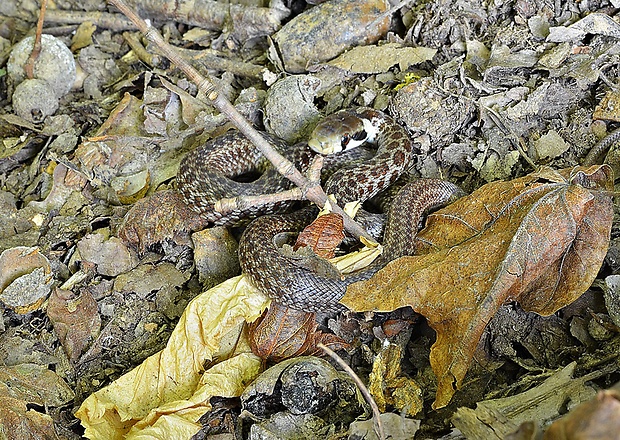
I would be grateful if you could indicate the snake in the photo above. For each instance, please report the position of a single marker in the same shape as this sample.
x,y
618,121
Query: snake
x,y
208,174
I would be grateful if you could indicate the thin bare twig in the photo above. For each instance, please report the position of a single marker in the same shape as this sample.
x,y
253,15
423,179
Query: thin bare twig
x,y
103,20
211,61
241,203
310,190
206,14
376,414
36,49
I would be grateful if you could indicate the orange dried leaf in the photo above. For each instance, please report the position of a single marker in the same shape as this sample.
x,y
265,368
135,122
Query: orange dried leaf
x,y
282,332
323,235
539,240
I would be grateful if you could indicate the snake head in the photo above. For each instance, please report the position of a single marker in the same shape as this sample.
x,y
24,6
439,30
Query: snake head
x,y
341,131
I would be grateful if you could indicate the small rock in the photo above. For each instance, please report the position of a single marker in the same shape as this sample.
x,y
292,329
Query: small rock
x,y
327,30
612,298
55,63
28,292
25,278
290,113
215,255
34,100
301,386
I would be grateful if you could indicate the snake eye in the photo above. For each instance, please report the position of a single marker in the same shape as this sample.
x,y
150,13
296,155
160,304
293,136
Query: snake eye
x,y
344,141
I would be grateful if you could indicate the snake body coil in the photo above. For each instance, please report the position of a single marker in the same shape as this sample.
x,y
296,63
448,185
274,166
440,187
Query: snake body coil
x,y
286,279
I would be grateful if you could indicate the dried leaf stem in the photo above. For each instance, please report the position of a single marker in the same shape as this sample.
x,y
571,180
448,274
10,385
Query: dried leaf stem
x,y
310,190
514,138
376,414
36,49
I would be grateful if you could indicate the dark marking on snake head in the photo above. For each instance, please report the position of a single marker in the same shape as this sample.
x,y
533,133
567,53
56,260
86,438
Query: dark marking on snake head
x,y
360,135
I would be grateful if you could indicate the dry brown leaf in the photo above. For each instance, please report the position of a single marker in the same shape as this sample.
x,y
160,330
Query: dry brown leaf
x,y
75,318
539,240
19,422
378,59
282,332
323,235
162,216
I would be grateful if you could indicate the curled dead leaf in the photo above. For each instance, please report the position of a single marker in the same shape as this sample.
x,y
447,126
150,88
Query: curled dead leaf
x,y
323,235
282,332
539,240
75,318
163,216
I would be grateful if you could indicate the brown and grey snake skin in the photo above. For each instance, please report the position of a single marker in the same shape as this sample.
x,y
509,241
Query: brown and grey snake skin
x,y
205,176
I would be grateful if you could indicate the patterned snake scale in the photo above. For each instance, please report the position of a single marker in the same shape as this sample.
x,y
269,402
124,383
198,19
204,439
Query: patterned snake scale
x,y
205,176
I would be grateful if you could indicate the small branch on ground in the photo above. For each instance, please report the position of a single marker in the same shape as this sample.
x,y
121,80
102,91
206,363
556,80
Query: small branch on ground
x,y
310,190
514,138
210,14
211,61
103,20
241,203
376,414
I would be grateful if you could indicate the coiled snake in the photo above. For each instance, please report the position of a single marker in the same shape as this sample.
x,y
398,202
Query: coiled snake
x,y
205,176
